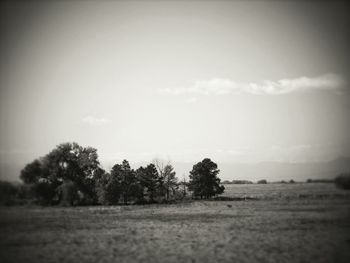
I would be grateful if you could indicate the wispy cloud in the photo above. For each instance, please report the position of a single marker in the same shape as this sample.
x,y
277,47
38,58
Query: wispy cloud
x,y
94,121
217,86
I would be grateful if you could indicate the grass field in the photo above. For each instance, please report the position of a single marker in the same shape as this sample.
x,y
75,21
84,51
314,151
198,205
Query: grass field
x,y
287,223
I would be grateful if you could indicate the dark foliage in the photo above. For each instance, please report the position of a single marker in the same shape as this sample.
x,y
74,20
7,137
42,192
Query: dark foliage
x,y
343,181
320,181
71,175
8,193
108,190
263,181
69,193
68,162
204,182
237,182
148,178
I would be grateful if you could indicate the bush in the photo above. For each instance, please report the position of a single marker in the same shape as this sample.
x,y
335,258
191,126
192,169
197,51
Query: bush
x,y
263,181
343,181
8,193
241,182
320,181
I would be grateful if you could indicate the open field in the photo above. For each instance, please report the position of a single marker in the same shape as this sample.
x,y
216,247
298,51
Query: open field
x,y
288,223
286,191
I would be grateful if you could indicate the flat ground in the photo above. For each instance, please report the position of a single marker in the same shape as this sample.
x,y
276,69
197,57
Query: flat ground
x,y
288,223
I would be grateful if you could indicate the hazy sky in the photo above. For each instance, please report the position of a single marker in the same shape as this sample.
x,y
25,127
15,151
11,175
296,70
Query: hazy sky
x,y
233,81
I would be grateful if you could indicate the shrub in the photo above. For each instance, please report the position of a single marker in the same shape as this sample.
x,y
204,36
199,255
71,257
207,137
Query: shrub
x,y
241,182
263,181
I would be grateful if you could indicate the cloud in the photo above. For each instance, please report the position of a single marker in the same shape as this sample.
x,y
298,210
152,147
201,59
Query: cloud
x,y
91,120
217,86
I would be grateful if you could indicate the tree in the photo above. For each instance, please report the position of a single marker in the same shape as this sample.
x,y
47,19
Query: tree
x,y
68,193
33,171
108,190
167,181
159,165
170,180
342,181
77,164
121,183
204,181
126,179
263,181
184,184
67,162
148,179
141,183
37,176
8,193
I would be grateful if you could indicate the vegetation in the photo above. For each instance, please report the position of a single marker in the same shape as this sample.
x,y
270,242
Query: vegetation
x,y
320,181
71,175
204,182
343,181
8,193
168,180
287,229
263,181
237,182
70,170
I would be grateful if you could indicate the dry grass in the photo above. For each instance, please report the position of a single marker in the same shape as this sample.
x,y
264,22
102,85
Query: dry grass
x,y
279,228
286,191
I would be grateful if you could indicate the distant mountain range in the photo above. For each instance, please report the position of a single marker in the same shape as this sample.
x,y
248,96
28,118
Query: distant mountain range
x,y
271,171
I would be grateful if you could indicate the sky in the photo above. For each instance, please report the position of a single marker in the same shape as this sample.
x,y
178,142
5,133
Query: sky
x,y
235,81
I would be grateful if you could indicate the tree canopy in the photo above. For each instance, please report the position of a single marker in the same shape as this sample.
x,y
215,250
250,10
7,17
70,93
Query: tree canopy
x,y
71,174
204,182
68,162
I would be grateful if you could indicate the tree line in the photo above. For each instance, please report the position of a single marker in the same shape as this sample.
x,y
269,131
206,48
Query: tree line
x,y
72,175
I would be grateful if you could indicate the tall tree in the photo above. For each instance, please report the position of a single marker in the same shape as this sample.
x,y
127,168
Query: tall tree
x,y
159,165
33,171
167,181
108,189
204,181
141,183
148,178
126,179
67,162
170,180
184,185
